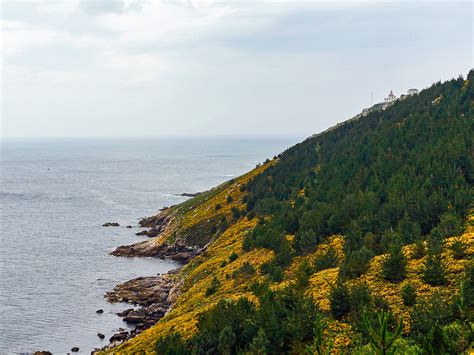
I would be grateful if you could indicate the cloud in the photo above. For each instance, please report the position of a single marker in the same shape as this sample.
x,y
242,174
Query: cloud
x,y
198,66
101,7
18,37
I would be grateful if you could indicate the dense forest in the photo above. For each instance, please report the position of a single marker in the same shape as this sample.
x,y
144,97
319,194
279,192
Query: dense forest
x,y
399,177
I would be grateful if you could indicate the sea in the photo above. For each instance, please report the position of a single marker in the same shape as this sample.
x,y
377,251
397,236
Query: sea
x,y
56,193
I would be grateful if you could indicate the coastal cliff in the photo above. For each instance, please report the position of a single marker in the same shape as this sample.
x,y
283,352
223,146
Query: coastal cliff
x,y
372,217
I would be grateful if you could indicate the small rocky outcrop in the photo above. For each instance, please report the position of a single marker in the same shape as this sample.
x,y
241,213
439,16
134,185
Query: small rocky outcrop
x,y
177,252
118,338
75,349
190,194
149,232
99,311
111,224
155,295
43,353
100,335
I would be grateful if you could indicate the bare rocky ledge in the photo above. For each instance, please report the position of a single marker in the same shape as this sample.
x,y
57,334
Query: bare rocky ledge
x,y
176,252
155,295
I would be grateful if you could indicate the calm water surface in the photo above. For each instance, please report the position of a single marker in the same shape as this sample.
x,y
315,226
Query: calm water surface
x,y
54,196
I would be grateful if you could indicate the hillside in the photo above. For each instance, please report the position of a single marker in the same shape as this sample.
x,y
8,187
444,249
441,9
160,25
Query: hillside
x,y
304,252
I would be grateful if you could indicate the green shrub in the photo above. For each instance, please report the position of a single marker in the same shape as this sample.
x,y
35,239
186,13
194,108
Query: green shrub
x,y
394,265
171,344
235,213
321,345
215,283
247,270
355,264
233,257
326,260
433,268
303,274
419,250
450,225
359,297
434,271
408,295
339,300
458,247
229,199
218,207
381,339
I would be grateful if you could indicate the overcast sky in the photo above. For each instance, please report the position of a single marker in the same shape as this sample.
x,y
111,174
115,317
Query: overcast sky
x,y
133,68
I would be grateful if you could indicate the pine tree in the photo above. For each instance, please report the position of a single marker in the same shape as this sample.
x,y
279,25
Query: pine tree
x,y
434,273
394,265
408,295
340,301
381,340
259,345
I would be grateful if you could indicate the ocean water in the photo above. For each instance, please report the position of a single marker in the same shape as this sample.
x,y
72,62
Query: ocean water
x,y
54,196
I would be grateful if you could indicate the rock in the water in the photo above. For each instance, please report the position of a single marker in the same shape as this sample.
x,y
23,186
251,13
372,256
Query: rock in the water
x,y
119,337
75,349
188,194
100,335
135,316
128,227
43,352
111,224
149,233
99,311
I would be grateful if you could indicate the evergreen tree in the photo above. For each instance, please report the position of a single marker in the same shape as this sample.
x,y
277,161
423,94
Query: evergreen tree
x,y
259,345
433,268
394,264
408,295
381,339
326,260
226,341
339,300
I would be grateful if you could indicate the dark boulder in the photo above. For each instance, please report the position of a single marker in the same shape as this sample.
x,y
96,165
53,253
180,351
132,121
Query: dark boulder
x,y
119,337
100,335
111,224
75,349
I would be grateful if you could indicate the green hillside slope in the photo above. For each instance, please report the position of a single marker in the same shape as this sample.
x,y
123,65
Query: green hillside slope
x,y
367,222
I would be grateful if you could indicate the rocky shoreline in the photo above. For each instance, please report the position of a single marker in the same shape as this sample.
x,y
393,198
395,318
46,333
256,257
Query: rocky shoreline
x,y
176,252
153,296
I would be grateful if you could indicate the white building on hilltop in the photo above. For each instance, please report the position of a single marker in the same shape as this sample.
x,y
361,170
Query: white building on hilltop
x,y
412,92
391,97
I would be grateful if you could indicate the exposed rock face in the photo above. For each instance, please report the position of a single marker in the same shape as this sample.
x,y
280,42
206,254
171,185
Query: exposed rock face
x,y
155,295
149,233
118,338
143,291
188,194
157,225
110,224
176,252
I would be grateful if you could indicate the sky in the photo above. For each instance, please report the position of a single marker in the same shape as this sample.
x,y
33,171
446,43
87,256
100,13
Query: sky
x,y
114,68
